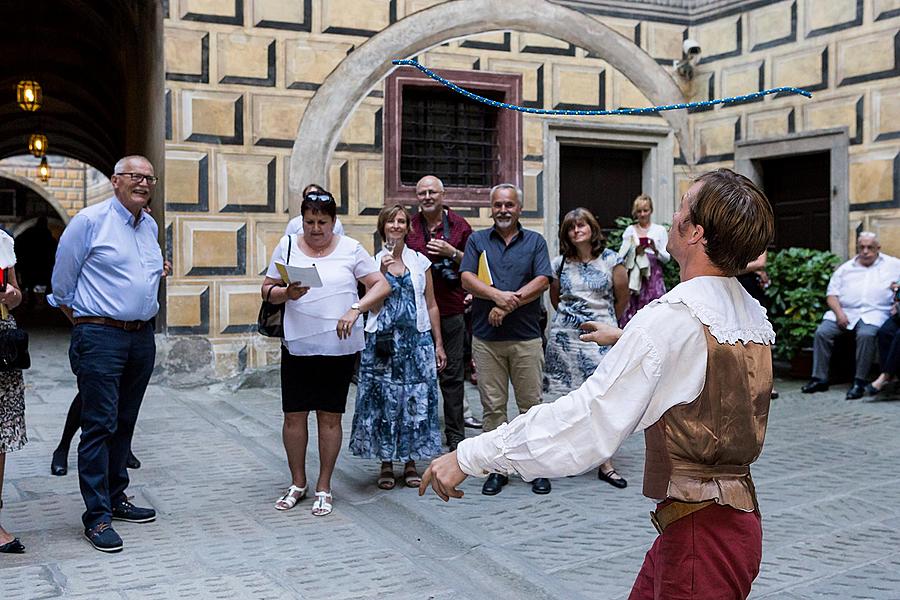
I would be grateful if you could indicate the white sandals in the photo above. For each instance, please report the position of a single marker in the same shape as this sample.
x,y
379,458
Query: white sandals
x,y
291,497
322,506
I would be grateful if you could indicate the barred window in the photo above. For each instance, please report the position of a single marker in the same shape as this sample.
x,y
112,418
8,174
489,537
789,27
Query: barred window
x,y
430,130
449,136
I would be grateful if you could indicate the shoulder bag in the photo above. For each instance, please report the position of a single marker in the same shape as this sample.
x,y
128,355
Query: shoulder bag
x,y
270,321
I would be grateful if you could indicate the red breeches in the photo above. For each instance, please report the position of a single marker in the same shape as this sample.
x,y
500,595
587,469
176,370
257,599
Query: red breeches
x,y
712,554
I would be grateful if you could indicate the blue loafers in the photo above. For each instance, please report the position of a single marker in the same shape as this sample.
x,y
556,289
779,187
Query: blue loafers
x,y
104,538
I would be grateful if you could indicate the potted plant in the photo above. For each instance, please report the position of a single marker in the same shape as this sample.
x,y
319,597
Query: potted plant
x,y
798,280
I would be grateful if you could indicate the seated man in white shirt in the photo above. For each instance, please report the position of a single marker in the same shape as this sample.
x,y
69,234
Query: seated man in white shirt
x,y
693,369
295,225
859,296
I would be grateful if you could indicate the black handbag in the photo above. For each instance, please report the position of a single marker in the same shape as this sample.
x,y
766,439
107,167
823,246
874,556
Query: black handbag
x,y
270,321
14,350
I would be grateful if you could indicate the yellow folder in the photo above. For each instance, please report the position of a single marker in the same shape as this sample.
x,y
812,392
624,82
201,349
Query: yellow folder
x,y
484,270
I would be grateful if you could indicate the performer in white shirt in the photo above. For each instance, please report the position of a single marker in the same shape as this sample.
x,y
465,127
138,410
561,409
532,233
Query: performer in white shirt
x,y
694,370
859,295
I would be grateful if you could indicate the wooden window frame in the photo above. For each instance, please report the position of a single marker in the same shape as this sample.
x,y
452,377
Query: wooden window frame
x,y
509,126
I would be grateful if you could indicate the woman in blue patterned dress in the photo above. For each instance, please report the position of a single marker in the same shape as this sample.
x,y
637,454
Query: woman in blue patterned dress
x,y
396,416
589,284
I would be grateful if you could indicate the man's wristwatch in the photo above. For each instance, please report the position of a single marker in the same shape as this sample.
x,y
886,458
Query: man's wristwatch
x,y
355,306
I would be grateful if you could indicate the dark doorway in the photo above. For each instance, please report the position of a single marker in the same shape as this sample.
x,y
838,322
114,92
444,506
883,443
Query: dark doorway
x,y
603,180
799,189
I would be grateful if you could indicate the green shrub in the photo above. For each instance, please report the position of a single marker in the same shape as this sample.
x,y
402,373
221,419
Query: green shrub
x,y
798,279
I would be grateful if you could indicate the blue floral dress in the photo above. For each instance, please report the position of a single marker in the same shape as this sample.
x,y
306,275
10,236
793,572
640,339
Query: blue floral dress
x,y
396,417
585,294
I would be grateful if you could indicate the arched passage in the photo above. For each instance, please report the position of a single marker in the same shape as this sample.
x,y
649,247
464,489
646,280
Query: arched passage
x,y
348,84
38,191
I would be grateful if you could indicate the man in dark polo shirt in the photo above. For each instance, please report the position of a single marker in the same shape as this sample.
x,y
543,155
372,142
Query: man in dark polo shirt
x,y
441,235
507,284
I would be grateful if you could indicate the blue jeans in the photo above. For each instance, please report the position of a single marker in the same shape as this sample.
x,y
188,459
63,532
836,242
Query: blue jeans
x,y
113,367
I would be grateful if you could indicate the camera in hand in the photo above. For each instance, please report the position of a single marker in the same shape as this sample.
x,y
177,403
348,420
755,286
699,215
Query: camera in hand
x,y
446,270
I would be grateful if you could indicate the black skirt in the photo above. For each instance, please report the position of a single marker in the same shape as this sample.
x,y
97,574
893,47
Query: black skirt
x,y
315,382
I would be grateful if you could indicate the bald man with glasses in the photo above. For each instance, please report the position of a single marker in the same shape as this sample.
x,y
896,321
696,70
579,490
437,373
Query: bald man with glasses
x,y
106,281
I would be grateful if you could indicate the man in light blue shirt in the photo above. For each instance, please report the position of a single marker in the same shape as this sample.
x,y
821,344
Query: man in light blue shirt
x,y
106,280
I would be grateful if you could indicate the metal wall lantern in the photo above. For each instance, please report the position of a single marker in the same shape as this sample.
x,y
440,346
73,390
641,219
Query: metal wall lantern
x,y
28,95
37,145
44,170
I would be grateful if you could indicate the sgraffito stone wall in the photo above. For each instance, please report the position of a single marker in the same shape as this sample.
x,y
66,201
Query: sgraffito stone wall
x,y
240,73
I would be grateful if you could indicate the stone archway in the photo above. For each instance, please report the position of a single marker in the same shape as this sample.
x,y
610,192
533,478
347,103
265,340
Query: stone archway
x,y
37,189
342,91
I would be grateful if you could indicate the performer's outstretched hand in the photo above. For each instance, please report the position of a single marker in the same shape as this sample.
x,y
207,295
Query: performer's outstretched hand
x,y
444,475
600,333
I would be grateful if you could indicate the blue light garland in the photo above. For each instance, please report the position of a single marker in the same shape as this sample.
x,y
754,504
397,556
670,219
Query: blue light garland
x,y
581,113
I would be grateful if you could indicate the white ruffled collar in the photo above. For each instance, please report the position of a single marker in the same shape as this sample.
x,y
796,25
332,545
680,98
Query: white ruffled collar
x,y
723,305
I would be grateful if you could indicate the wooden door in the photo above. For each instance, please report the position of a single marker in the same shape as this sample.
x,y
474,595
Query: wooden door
x,y
799,189
603,180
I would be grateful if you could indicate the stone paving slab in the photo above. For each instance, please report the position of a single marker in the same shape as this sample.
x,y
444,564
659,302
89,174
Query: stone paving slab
x,y
213,465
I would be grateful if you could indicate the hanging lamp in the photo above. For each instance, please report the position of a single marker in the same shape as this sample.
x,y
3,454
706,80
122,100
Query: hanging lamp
x,y
29,95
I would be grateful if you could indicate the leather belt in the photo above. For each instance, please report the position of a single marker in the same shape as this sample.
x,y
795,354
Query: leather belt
x,y
670,513
126,325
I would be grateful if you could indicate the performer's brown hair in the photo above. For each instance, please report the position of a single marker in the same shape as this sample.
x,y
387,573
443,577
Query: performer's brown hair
x,y
598,240
737,219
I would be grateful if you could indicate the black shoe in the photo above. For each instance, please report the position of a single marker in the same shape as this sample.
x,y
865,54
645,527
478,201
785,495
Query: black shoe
x,y
494,484
104,538
126,511
616,481
13,547
59,464
815,385
541,485
856,391
871,390
132,462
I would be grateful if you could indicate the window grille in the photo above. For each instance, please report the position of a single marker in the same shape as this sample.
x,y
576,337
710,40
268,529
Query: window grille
x,y
448,136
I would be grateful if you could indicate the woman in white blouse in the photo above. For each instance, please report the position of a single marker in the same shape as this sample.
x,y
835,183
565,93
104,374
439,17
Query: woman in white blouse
x,y
648,239
396,416
322,337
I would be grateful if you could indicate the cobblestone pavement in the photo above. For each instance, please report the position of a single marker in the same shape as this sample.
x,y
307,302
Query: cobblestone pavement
x,y
213,465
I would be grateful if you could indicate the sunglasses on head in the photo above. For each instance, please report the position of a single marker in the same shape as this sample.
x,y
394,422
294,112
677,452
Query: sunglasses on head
x,y
320,197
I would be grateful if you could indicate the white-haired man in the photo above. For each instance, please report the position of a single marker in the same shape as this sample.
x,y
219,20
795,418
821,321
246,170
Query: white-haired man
x,y
859,297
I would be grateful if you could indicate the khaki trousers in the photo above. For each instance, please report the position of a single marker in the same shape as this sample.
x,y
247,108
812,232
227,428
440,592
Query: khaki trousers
x,y
498,363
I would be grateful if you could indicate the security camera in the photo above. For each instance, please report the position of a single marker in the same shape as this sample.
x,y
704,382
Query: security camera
x,y
691,48
690,56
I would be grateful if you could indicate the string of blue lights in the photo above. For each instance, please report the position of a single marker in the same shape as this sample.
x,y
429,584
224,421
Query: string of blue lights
x,y
582,113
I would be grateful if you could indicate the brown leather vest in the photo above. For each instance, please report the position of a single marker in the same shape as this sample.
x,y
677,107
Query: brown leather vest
x,y
703,450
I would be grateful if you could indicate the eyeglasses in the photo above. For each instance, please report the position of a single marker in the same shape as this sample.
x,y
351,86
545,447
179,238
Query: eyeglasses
x,y
139,177
317,197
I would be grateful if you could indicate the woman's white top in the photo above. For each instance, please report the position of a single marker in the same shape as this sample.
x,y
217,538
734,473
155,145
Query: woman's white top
x,y
418,265
310,322
655,232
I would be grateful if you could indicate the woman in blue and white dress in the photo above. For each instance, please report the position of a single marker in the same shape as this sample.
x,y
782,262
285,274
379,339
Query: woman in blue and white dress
x,y
396,418
589,284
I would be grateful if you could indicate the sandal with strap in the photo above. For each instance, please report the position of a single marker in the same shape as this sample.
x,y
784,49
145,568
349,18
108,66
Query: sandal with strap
x,y
386,480
322,506
411,478
291,497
